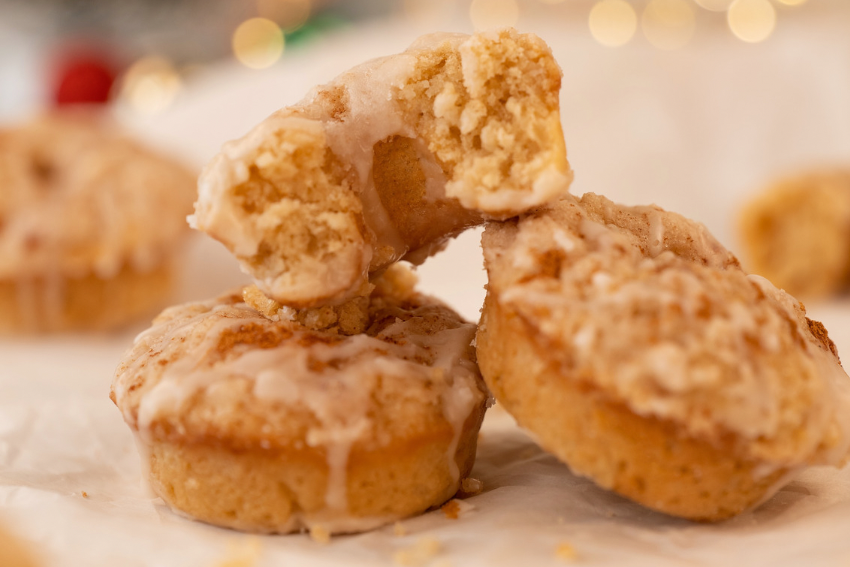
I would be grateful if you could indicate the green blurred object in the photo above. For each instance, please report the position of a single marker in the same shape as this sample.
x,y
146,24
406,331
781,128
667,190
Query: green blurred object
x,y
316,26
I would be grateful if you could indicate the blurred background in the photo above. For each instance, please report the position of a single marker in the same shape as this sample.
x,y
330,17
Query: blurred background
x,y
690,104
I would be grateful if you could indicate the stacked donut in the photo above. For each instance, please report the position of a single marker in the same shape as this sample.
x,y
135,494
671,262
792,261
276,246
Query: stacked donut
x,y
332,396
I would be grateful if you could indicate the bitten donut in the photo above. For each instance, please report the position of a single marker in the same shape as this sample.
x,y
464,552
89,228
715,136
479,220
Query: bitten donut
x,y
271,426
89,224
635,349
388,161
797,233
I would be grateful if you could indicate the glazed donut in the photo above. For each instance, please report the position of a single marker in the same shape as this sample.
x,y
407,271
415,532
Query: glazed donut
x,y
270,426
797,233
89,224
388,161
635,349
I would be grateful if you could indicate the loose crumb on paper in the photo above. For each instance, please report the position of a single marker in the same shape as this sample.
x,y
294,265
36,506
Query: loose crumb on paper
x,y
451,509
418,554
399,530
85,494
242,553
456,508
320,534
566,552
470,487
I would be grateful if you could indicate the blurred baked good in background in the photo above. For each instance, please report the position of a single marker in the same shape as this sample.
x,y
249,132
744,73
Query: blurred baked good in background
x,y
90,224
796,233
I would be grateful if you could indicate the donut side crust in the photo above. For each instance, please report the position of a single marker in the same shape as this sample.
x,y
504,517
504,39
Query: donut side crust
x,y
55,304
648,460
283,489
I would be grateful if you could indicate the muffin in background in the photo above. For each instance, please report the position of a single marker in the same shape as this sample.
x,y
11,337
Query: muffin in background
x,y
797,233
90,224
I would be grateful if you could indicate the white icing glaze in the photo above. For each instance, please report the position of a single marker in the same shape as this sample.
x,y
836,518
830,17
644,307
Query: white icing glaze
x,y
655,238
607,279
334,381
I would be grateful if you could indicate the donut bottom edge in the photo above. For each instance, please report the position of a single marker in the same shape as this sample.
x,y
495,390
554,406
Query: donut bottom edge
x,y
284,490
46,304
648,460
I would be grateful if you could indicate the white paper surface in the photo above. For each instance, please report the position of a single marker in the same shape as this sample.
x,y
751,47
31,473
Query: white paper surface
x,y
694,131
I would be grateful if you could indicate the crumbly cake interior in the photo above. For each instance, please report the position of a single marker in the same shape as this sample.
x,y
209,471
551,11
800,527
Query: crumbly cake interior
x,y
389,161
488,111
59,304
349,318
304,211
797,234
647,308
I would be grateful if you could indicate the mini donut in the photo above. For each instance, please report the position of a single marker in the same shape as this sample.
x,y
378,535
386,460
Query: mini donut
x,y
89,224
389,161
797,233
630,343
271,426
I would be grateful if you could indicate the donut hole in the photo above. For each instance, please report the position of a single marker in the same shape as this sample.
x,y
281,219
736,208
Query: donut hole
x,y
401,183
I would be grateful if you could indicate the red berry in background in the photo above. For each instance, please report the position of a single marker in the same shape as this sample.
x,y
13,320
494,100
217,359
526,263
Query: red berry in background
x,y
83,78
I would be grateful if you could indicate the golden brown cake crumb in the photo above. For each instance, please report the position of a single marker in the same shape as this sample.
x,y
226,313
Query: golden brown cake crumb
x,y
418,554
566,552
451,509
320,535
243,553
471,486
348,319
399,530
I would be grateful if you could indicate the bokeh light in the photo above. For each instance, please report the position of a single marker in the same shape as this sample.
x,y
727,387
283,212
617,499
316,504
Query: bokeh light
x,y
288,14
150,85
490,14
552,1
612,22
258,43
715,5
429,13
791,2
751,20
668,24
